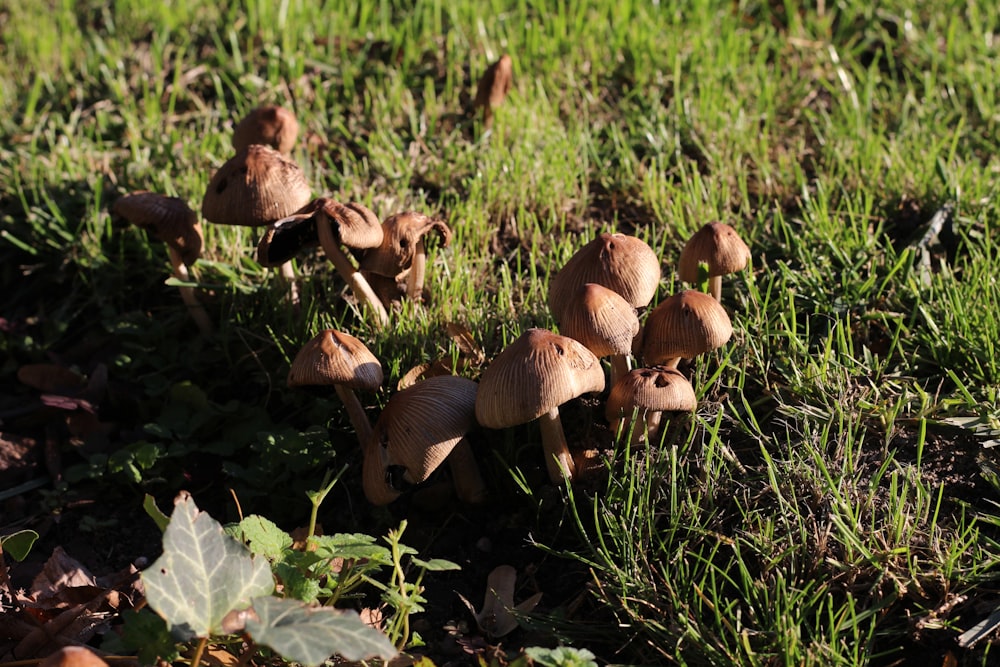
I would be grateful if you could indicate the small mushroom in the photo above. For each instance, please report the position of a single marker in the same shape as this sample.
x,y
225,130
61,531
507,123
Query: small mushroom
x,y
171,220
605,322
684,325
717,245
648,393
625,264
419,429
401,253
493,87
338,359
529,380
270,125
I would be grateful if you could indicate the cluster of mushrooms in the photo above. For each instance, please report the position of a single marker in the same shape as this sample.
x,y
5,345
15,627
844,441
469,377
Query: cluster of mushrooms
x,y
596,298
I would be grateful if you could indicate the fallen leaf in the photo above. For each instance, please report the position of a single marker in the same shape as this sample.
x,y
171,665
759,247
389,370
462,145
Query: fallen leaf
x,y
495,618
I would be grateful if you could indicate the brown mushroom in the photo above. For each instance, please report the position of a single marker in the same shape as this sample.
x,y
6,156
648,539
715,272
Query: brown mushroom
x,y
338,359
401,253
493,87
605,322
718,246
529,380
171,220
625,264
684,325
419,429
647,393
270,125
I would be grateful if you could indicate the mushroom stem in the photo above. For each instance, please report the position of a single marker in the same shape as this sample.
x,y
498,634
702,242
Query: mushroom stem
x,y
373,468
356,413
715,287
620,365
418,270
188,294
288,275
558,460
652,419
469,484
349,273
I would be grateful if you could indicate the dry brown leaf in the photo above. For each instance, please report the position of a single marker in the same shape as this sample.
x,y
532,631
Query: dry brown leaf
x,y
51,378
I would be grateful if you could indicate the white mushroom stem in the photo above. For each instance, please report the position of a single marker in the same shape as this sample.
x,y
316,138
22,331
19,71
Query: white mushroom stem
x,y
418,271
349,272
373,469
558,459
188,294
621,364
469,484
356,413
288,274
715,287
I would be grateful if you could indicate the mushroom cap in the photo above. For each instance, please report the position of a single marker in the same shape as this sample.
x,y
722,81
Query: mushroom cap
x,y
355,225
421,424
400,234
655,389
254,188
270,125
717,245
73,656
684,325
539,371
601,319
334,357
495,83
167,219
284,239
625,264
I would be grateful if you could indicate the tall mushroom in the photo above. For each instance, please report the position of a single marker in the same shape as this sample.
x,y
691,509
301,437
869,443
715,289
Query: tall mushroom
x,y
402,253
338,359
171,220
605,322
625,264
684,325
648,393
270,125
718,246
419,429
493,87
529,380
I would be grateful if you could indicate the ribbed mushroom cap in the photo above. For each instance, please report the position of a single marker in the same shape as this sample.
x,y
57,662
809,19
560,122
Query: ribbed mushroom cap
x,y
269,125
254,188
167,219
684,325
656,389
285,238
717,245
601,319
495,83
334,357
625,264
421,424
537,372
355,225
400,234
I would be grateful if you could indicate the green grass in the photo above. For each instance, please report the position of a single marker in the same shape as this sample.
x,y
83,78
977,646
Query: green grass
x,y
822,508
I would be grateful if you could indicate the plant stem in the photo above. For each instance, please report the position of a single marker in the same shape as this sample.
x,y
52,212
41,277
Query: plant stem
x,y
196,660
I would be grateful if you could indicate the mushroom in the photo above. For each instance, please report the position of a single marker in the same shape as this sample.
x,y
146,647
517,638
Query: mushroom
x,y
339,359
648,393
255,188
529,380
171,220
605,322
721,248
420,428
270,125
493,87
401,253
625,264
684,325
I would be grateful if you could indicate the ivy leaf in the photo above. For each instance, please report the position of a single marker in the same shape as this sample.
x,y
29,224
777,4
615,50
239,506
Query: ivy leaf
x,y
310,635
202,575
18,544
